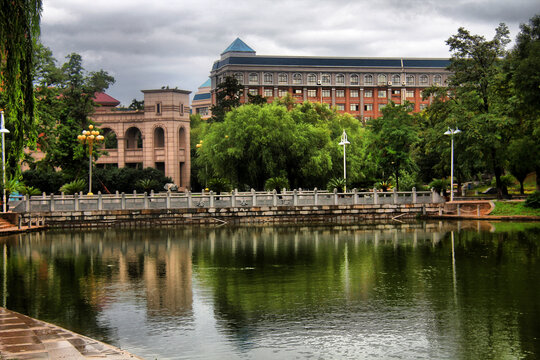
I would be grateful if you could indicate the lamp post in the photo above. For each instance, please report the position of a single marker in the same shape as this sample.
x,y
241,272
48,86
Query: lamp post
x,y
4,131
90,137
452,132
344,142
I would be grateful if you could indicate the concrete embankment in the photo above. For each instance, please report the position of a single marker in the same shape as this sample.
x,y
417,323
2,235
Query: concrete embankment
x,y
236,215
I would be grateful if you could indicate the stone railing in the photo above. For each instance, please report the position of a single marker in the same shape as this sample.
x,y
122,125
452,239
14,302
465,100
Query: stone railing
x,y
172,200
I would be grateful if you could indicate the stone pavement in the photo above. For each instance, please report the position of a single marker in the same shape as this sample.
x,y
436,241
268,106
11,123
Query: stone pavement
x,y
22,337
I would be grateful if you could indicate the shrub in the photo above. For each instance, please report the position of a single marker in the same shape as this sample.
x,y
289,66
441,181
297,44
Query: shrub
x,y
147,185
127,179
440,185
73,187
336,183
276,183
533,200
506,181
46,181
383,185
219,185
29,190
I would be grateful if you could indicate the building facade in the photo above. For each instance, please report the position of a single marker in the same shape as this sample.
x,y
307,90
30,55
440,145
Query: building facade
x,y
158,136
202,101
359,86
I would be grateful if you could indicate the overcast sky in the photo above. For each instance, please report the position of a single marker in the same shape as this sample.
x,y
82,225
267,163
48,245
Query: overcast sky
x,y
149,44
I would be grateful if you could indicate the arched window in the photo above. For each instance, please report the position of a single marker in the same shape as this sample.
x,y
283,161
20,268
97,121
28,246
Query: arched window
x,y
239,77
410,80
268,78
396,79
110,139
134,138
423,79
437,80
182,138
368,79
282,78
253,78
354,79
312,79
326,79
381,79
297,79
159,138
340,79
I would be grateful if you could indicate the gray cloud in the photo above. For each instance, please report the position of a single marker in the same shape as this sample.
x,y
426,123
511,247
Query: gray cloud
x,y
150,44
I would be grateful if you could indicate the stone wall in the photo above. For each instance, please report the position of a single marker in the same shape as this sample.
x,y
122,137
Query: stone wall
x,y
236,215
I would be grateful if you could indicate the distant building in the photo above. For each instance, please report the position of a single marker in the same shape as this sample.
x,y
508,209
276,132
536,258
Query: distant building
x,y
202,101
359,86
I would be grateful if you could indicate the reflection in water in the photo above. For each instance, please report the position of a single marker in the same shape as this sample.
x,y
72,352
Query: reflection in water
x,y
411,291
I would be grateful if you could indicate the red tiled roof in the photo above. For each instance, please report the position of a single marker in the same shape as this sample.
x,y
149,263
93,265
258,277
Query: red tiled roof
x,y
105,100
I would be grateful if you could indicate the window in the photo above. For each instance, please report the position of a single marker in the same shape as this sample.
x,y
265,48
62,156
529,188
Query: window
x,y
410,93
381,94
312,79
239,77
340,93
381,79
423,106
437,80
159,138
340,79
353,93
368,79
268,78
202,111
368,93
423,79
410,79
340,107
253,78
326,93
268,92
158,108
396,79
282,78
181,109
282,92
298,91
381,106
354,79
396,92
253,92
312,93
368,107
326,79
354,107
297,79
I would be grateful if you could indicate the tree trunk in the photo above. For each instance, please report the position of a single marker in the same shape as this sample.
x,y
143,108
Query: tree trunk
x,y
537,169
521,189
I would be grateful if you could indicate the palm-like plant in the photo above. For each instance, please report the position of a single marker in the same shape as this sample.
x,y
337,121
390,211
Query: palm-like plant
x,y
276,183
73,187
336,183
146,185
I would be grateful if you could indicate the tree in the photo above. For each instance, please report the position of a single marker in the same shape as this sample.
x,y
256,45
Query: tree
x,y
522,159
228,94
481,96
394,136
136,105
257,99
19,29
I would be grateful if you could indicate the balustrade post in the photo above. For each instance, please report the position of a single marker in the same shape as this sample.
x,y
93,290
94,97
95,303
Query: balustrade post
x,y
315,197
254,196
335,197
274,197
394,196
100,201
432,195
355,196
189,200
44,194
27,202
51,204
76,201
375,197
295,197
458,210
440,210
168,200
478,210
20,221
233,198
30,221
145,201
211,199
123,201
414,199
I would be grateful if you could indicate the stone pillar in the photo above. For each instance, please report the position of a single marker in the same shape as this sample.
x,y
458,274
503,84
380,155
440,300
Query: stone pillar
x,y
413,195
375,197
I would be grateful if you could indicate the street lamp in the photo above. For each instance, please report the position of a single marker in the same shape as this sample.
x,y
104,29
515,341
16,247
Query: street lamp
x,y
344,142
452,132
90,137
4,131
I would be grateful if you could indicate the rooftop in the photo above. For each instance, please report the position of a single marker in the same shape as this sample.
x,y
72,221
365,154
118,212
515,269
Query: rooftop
x,y
238,46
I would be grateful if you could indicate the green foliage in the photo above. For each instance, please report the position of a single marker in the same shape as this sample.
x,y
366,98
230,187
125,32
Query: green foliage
x,y
276,183
227,97
74,187
440,185
257,99
29,190
127,179
219,185
47,181
383,185
506,180
147,185
408,181
336,183
533,200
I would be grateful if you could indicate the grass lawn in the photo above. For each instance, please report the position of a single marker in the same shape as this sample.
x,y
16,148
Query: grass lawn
x,y
509,208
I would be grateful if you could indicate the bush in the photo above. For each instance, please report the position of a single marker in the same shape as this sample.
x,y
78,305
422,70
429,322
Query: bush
x,y
276,183
73,187
47,181
383,185
219,185
440,185
336,183
29,190
127,179
533,200
506,181
147,185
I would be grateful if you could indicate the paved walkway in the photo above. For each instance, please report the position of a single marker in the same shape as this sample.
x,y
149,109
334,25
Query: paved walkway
x,y
22,337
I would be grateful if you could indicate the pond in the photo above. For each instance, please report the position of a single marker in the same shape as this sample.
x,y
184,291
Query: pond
x,y
463,290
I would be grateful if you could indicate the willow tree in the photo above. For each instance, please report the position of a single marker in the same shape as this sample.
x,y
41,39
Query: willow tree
x,y
19,29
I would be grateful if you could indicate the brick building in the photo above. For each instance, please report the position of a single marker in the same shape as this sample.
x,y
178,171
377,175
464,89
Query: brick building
x,y
359,86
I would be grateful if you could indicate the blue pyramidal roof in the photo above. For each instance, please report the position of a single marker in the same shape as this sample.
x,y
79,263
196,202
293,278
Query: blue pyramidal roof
x,y
238,46
207,83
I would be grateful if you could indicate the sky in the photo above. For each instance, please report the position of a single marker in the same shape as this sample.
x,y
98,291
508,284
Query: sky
x,y
150,44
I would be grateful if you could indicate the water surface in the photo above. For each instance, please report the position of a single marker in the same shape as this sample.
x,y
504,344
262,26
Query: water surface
x,y
410,291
